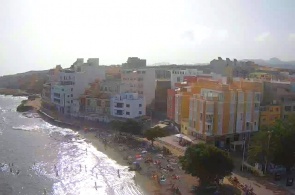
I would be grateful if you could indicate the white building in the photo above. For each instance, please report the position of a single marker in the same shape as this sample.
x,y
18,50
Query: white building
x,y
127,105
141,81
62,97
177,75
73,82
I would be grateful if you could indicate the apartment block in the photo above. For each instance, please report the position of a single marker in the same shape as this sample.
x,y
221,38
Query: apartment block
x,y
127,105
269,114
141,81
280,93
134,63
217,108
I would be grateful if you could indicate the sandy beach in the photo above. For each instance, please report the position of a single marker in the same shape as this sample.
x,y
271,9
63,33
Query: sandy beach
x,y
119,148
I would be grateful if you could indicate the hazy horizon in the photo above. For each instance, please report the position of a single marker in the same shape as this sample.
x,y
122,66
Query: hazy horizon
x,y
37,35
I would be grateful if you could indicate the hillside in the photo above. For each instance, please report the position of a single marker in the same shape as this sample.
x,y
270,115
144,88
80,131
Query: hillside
x,y
31,82
275,62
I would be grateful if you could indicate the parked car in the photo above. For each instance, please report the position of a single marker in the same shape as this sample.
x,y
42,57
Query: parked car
x,y
277,169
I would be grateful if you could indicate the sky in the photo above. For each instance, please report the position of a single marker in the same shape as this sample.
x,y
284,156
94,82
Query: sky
x,y
38,34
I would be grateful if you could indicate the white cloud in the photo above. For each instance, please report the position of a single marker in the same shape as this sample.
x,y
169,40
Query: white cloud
x,y
222,35
291,36
263,37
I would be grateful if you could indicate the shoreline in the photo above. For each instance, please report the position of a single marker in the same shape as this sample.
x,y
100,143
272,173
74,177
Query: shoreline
x,y
146,183
119,150
13,92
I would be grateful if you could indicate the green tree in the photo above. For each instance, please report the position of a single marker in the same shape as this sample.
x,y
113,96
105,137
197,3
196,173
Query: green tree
x,y
128,126
275,144
155,132
116,125
206,162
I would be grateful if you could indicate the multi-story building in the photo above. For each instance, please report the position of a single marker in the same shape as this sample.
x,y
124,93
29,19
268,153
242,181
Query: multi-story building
x,y
280,93
127,105
113,72
73,82
111,86
269,114
188,80
62,97
141,81
261,76
53,78
161,95
240,68
177,75
219,109
134,63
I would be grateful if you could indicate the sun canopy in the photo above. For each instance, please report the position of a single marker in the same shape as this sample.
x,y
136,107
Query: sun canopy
x,y
183,137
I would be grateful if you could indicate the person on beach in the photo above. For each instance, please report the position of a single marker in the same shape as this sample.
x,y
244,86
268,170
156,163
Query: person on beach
x,y
118,171
95,186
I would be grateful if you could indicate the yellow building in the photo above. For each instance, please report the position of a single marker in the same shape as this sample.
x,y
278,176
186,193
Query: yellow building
x,y
261,75
217,108
269,114
184,126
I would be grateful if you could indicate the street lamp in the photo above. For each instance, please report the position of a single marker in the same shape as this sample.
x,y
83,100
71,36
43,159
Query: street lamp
x,y
243,153
266,162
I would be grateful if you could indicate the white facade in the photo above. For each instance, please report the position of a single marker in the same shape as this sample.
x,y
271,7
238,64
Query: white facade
x,y
73,82
75,107
62,97
127,105
141,81
177,76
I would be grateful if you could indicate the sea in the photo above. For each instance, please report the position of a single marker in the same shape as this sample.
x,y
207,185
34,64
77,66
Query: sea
x,y
39,158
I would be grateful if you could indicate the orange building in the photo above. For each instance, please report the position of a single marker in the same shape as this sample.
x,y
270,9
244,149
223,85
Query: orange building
x,y
219,109
113,72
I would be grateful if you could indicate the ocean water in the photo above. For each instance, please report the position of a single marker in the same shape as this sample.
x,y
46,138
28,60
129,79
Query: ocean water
x,y
39,158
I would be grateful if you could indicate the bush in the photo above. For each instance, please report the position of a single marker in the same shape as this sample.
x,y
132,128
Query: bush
x,y
23,108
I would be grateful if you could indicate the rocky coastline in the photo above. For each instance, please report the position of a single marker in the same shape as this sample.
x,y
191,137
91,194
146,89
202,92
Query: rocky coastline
x,y
13,92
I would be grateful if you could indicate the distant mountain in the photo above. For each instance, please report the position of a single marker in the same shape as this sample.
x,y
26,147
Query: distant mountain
x,y
31,81
274,62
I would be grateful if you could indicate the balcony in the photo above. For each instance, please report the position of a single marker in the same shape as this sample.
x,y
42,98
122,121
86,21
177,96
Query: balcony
x,y
119,105
209,118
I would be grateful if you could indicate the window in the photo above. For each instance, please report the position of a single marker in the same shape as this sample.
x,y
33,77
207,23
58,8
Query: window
x,y
287,108
71,89
62,90
71,95
68,95
139,112
71,101
241,116
140,105
293,108
127,113
256,106
201,116
127,105
257,97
